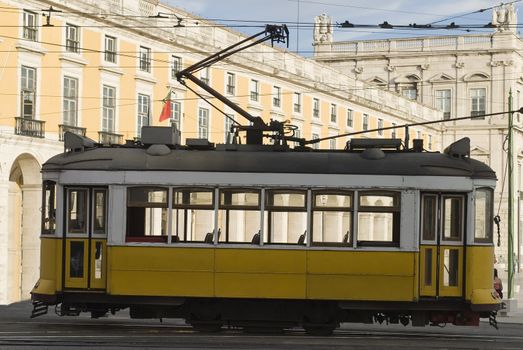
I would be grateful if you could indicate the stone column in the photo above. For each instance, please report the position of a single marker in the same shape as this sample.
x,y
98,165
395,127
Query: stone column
x,y
31,210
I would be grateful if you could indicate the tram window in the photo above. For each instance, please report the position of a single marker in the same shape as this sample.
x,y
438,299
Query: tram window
x,y
77,211
429,217
146,214
49,208
100,210
453,218
239,215
451,267
193,214
287,212
483,215
332,218
379,218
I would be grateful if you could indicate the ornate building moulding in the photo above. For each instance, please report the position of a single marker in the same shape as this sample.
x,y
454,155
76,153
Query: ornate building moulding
x,y
476,76
442,78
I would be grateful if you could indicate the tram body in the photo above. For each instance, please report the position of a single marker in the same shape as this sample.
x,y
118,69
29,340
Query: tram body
x,y
262,235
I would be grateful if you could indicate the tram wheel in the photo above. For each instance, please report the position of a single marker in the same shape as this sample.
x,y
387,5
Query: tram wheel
x,y
207,327
319,329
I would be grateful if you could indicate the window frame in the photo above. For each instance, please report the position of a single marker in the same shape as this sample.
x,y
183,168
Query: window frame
x,y
350,118
276,96
395,210
254,89
230,83
68,100
333,113
144,59
108,109
203,122
316,105
462,198
144,237
143,112
477,101
296,102
110,54
49,207
30,25
72,38
27,90
176,65
315,207
489,219
442,102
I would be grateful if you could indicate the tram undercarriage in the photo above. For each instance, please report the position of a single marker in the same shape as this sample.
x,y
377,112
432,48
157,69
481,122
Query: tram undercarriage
x,y
318,317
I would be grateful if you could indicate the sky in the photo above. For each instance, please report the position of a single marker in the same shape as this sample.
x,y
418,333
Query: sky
x,y
356,11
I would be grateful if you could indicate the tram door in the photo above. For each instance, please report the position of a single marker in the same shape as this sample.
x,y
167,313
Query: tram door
x,y
441,245
85,238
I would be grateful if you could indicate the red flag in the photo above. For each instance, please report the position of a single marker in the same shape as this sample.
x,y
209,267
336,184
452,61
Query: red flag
x,y
166,110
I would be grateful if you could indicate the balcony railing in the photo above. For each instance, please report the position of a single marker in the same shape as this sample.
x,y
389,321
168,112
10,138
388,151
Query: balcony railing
x,y
30,127
109,138
62,128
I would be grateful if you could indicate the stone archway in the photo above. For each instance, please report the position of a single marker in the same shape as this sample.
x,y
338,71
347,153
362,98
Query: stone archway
x,y
23,243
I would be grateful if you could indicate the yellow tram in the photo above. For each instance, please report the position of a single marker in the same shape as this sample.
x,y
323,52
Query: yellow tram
x,y
258,235
265,235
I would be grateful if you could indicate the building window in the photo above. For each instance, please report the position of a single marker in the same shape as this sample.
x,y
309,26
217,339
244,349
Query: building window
x,y
109,107
204,75
230,88
203,123
229,121
28,93
380,126
478,97
443,102
332,143
176,66
276,96
430,142
70,101
145,59
72,38
144,103
379,218
176,114
315,145
365,122
30,25
393,132
350,118
296,102
255,90
410,92
110,49
315,108
334,113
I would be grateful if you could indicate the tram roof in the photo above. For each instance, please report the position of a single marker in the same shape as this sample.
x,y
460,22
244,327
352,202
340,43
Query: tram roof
x,y
260,161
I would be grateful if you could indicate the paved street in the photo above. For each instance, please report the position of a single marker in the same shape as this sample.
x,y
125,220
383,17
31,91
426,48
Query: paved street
x,y
18,331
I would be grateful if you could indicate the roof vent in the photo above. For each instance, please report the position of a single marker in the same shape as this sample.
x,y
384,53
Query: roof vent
x,y
77,143
359,144
160,135
373,154
459,149
199,144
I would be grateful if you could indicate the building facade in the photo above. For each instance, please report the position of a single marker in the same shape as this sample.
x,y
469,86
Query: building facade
x,y
461,75
102,68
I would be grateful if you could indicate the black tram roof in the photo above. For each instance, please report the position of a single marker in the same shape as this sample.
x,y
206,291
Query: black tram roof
x,y
267,159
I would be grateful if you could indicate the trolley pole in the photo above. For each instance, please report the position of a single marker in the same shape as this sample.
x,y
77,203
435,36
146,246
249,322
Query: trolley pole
x,y
510,160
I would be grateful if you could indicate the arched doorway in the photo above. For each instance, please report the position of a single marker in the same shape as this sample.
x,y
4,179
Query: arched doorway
x,y
23,244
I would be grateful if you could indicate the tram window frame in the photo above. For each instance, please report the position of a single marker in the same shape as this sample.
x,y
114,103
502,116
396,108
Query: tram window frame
x,y
271,208
132,203
187,205
98,229
84,228
347,236
394,209
48,207
488,235
225,208
444,236
433,224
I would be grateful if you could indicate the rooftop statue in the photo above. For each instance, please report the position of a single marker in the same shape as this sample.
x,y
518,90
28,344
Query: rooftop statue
x,y
504,18
322,29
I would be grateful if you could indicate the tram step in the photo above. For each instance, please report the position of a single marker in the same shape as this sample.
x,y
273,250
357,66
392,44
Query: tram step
x,y
39,309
